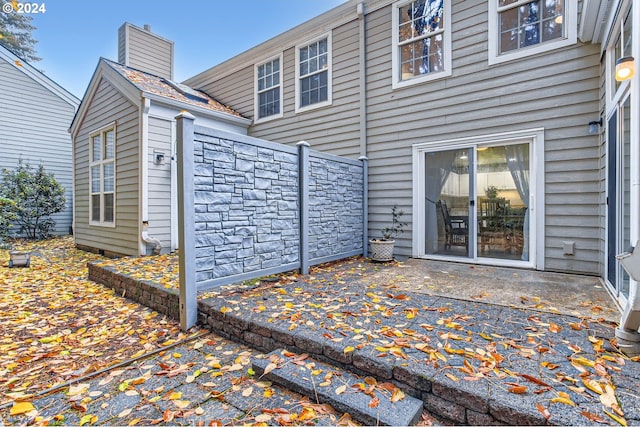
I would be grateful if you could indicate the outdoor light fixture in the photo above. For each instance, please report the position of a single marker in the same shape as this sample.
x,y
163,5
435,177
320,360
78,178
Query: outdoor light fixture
x,y
594,126
625,68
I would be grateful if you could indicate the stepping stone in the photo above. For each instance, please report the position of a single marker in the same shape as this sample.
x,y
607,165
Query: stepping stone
x,y
308,377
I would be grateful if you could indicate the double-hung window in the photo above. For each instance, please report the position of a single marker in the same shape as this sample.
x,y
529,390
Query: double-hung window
x,y
102,169
421,40
313,74
268,102
519,28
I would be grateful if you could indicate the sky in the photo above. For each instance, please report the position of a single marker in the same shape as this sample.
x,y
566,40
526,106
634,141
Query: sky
x,y
73,34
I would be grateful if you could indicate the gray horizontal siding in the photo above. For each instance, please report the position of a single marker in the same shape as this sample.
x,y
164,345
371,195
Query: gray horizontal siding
x,y
147,52
34,125
159,182
332,129
556,90
107,106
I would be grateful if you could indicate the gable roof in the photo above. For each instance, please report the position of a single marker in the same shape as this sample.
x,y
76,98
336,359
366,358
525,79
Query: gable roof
x,y
38,76
135,84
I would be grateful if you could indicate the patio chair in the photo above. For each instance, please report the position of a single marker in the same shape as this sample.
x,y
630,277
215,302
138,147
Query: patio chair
x,y
456,228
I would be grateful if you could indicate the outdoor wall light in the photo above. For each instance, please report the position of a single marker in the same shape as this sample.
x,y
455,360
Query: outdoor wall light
x,y
594,126
625,68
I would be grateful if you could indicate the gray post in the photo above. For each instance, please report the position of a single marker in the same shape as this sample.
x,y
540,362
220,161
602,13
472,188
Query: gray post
x,y
186,222
303,199
365,205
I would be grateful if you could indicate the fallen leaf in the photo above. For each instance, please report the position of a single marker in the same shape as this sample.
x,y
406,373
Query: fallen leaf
x,y
397,395
341,389
125,413
20,408
270,367
544,411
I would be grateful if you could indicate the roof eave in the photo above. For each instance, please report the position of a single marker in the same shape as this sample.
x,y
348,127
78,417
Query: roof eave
x,y
181,105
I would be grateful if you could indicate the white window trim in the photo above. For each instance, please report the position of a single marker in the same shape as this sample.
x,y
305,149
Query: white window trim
x,y
101,132
536,232
300,109
397,81
571,26
256,98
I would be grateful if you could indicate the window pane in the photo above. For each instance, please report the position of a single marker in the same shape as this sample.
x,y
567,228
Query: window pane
x,y
96,147
110,144
529,24
269,103
304,54
422,57
304,68
108,207
95,207
108,177
95,179
551,30
260,71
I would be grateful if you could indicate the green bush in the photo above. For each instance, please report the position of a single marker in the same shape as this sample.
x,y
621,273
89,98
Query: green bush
x,y
33,195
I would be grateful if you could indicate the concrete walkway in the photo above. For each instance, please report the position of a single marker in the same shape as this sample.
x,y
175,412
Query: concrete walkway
x,y
471,360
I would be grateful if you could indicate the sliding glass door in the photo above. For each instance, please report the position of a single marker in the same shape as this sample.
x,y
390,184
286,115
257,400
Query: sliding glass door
x,y
503,201
447,188
476,202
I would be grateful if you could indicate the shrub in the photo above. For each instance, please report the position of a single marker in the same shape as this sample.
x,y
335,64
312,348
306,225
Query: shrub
x,y
35,195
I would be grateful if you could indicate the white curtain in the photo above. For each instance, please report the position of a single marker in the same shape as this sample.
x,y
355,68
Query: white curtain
x,y
517,157
438,167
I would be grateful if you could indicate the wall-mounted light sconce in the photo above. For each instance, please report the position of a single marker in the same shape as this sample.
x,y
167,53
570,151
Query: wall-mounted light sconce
x,y
625,68
158,158
594,126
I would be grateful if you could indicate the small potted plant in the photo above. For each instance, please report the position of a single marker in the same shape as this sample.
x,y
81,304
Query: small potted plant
x,y
382,249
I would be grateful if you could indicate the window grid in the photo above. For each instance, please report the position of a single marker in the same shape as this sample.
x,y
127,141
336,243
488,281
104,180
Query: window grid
x,y
313,69
527,23
421,28
102,183
269,89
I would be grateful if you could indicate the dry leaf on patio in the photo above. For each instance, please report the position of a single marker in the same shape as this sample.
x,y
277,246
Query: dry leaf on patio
x,y
20,408
544,411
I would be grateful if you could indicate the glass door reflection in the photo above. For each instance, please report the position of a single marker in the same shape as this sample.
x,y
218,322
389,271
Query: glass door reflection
x,y
448,185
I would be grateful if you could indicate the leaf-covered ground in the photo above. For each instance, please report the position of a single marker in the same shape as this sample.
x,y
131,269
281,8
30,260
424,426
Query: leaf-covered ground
x,y
56,325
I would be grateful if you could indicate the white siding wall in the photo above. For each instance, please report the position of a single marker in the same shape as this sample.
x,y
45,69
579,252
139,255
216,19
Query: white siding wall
x,y
107,106
33,126
159,183
557,90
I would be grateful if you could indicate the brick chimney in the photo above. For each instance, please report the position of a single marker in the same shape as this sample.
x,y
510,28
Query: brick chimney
x,y
139,48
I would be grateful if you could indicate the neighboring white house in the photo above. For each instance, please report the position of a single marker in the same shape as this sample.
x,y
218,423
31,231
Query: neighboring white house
x,y
124,145
35,114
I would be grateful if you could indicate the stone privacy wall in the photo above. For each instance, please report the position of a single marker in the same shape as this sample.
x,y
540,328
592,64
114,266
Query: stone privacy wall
x,y
257,202
335,207
246,208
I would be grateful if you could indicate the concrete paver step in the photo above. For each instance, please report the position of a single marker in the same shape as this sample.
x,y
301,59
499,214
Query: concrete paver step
x,y
366,400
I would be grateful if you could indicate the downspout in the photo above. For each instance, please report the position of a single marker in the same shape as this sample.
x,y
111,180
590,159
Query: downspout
x,y
627,333
362,77
144,182
157,246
